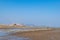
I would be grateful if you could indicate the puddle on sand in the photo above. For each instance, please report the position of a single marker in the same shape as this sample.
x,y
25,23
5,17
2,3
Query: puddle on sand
x,y
3,35
4,32
13,38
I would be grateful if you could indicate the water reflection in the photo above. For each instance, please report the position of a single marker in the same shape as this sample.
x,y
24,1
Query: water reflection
x,y
13,38
5,32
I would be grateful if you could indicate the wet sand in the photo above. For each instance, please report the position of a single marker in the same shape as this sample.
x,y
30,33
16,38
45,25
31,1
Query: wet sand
x,y
33,35
40,35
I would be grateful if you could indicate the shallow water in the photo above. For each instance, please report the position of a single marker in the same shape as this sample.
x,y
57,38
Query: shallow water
x,y
5,32
13,38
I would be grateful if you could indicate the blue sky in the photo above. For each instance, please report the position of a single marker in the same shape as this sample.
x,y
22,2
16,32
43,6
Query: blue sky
x,y
38,12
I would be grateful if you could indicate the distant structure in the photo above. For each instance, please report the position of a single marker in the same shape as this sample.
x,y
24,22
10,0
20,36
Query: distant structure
x,y
16,25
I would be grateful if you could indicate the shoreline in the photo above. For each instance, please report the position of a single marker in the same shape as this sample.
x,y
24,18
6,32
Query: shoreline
x,y
39,35
34,35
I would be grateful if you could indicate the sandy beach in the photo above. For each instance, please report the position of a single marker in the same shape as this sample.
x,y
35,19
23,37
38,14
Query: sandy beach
x,y
30,34
40,35
53,34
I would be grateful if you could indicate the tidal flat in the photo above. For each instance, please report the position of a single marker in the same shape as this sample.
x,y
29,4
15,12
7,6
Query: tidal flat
x,y
17,34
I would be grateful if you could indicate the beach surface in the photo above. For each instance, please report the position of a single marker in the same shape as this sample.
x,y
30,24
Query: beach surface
x,y
40,34
29,34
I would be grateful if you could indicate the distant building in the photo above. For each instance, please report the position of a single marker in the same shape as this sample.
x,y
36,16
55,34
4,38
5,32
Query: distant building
x,y
16,25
